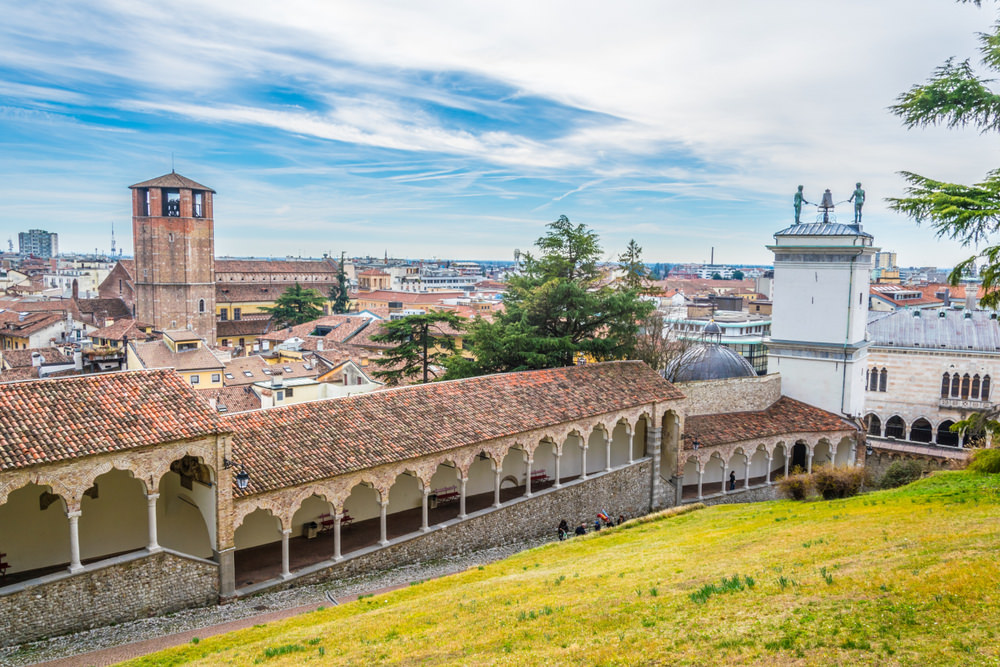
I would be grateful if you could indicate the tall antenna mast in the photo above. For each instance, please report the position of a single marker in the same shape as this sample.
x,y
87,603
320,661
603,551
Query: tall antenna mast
x,y
112,240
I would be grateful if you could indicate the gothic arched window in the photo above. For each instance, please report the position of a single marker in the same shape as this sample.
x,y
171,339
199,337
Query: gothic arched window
x,y
955,382
945,385
984,392
966,382
883,379
974,394
201,305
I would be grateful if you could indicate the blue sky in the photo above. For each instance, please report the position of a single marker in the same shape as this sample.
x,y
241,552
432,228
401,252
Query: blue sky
x,y
457,129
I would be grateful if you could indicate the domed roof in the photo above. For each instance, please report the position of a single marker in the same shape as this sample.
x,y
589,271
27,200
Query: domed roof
x,y
708,361
712,328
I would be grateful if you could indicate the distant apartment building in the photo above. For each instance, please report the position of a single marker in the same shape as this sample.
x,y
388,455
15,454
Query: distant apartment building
x,y
39,243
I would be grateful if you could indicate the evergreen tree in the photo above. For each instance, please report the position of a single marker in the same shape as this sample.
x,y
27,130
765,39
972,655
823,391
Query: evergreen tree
x,y
636,273
956,96
555,310
421,344
738,275
338,294
295,306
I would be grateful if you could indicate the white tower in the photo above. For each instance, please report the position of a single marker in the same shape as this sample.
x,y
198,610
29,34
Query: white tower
x,y
820,313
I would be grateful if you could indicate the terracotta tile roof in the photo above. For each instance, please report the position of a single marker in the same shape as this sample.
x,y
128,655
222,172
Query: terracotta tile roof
x,y
22,358
291,445
32,323
338,327
19,374
786,415
408,297
242,327
120,329
171,180
256,365
277,266
156,354
363,339
43,421
259,292
231,399
113,308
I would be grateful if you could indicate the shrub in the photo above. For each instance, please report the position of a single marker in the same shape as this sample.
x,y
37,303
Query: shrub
x,y
901,472
843,482
985,460
795,487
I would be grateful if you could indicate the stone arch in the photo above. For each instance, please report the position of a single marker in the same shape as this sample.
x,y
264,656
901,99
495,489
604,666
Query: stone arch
x,y
571,464
713,474
406,499
114,517
362,509
513,471
185,509
597,449
921,431
738,466
692,472
254,541
842,452
823,453
759,461
873,424
35,529
639,435
445,491
543,466
945,436
621,443
800,455
895,427
779,460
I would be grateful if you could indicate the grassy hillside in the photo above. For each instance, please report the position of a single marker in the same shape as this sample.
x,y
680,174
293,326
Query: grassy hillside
x,y
910,576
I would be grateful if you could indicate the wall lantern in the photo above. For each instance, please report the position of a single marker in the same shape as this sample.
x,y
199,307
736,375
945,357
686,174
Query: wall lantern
x,y
242,477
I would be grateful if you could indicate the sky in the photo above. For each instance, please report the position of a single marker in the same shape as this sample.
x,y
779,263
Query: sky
x,y
460,129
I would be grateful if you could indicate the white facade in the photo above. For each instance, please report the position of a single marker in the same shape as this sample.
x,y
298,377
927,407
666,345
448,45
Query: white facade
x,y
818,324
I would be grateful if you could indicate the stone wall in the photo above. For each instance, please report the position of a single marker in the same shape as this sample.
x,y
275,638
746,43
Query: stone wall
x,y
731,395
754,494
127,588
622,491
879,462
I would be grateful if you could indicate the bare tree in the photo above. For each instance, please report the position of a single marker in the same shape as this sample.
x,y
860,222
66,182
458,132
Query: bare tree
x,y
659,344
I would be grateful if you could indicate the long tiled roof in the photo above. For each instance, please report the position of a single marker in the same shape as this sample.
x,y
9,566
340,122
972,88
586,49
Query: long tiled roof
x,y
43,421
260,292
320,439
156,354
279,266
786,415
22,358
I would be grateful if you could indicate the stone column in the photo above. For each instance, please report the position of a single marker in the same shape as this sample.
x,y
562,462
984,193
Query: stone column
x,y
227,573
151,513
424,524
583,459
336,535
607,453
496,486
809,461
655,440
631,447
383,506
558,457
285,570
746,477
74,541
527,478
461,497
701,478
787,459
770,462
725,477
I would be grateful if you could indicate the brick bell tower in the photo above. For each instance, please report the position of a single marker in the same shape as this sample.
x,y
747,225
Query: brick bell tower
x,y
174,240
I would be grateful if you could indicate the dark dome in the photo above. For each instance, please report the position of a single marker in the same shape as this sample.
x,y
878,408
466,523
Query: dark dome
x,y
712,328
708,361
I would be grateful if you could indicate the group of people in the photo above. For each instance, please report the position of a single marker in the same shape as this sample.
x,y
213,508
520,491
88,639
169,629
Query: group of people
x,y
603,520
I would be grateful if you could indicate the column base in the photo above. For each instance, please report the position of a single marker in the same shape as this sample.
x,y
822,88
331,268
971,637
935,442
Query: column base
x,y
73,569
425,529
383,543
286,576
156,548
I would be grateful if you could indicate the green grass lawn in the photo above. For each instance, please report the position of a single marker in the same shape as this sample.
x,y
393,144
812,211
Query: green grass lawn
x,y
909,576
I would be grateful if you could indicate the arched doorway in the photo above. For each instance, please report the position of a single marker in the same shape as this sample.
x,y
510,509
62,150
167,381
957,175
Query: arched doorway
x,y
597,451
921,431
712,481
758,467
621,441
945,436
639,439
842,456
800,456
361,525
185,510
822,454
543,466
35,532
114,517
690,479
571,464
895,427
480,491
445,493
778,462
873,425
512,474
308,545
404,514
258,548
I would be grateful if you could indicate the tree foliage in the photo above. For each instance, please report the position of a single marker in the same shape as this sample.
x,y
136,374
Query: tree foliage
x,y
556,310
956,97
636,273
421,345
338,293
659,345
295,306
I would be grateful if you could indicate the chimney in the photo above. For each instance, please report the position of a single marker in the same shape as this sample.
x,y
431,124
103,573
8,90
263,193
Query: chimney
x,y
108,321
36,359
319,345
971,292
276,381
